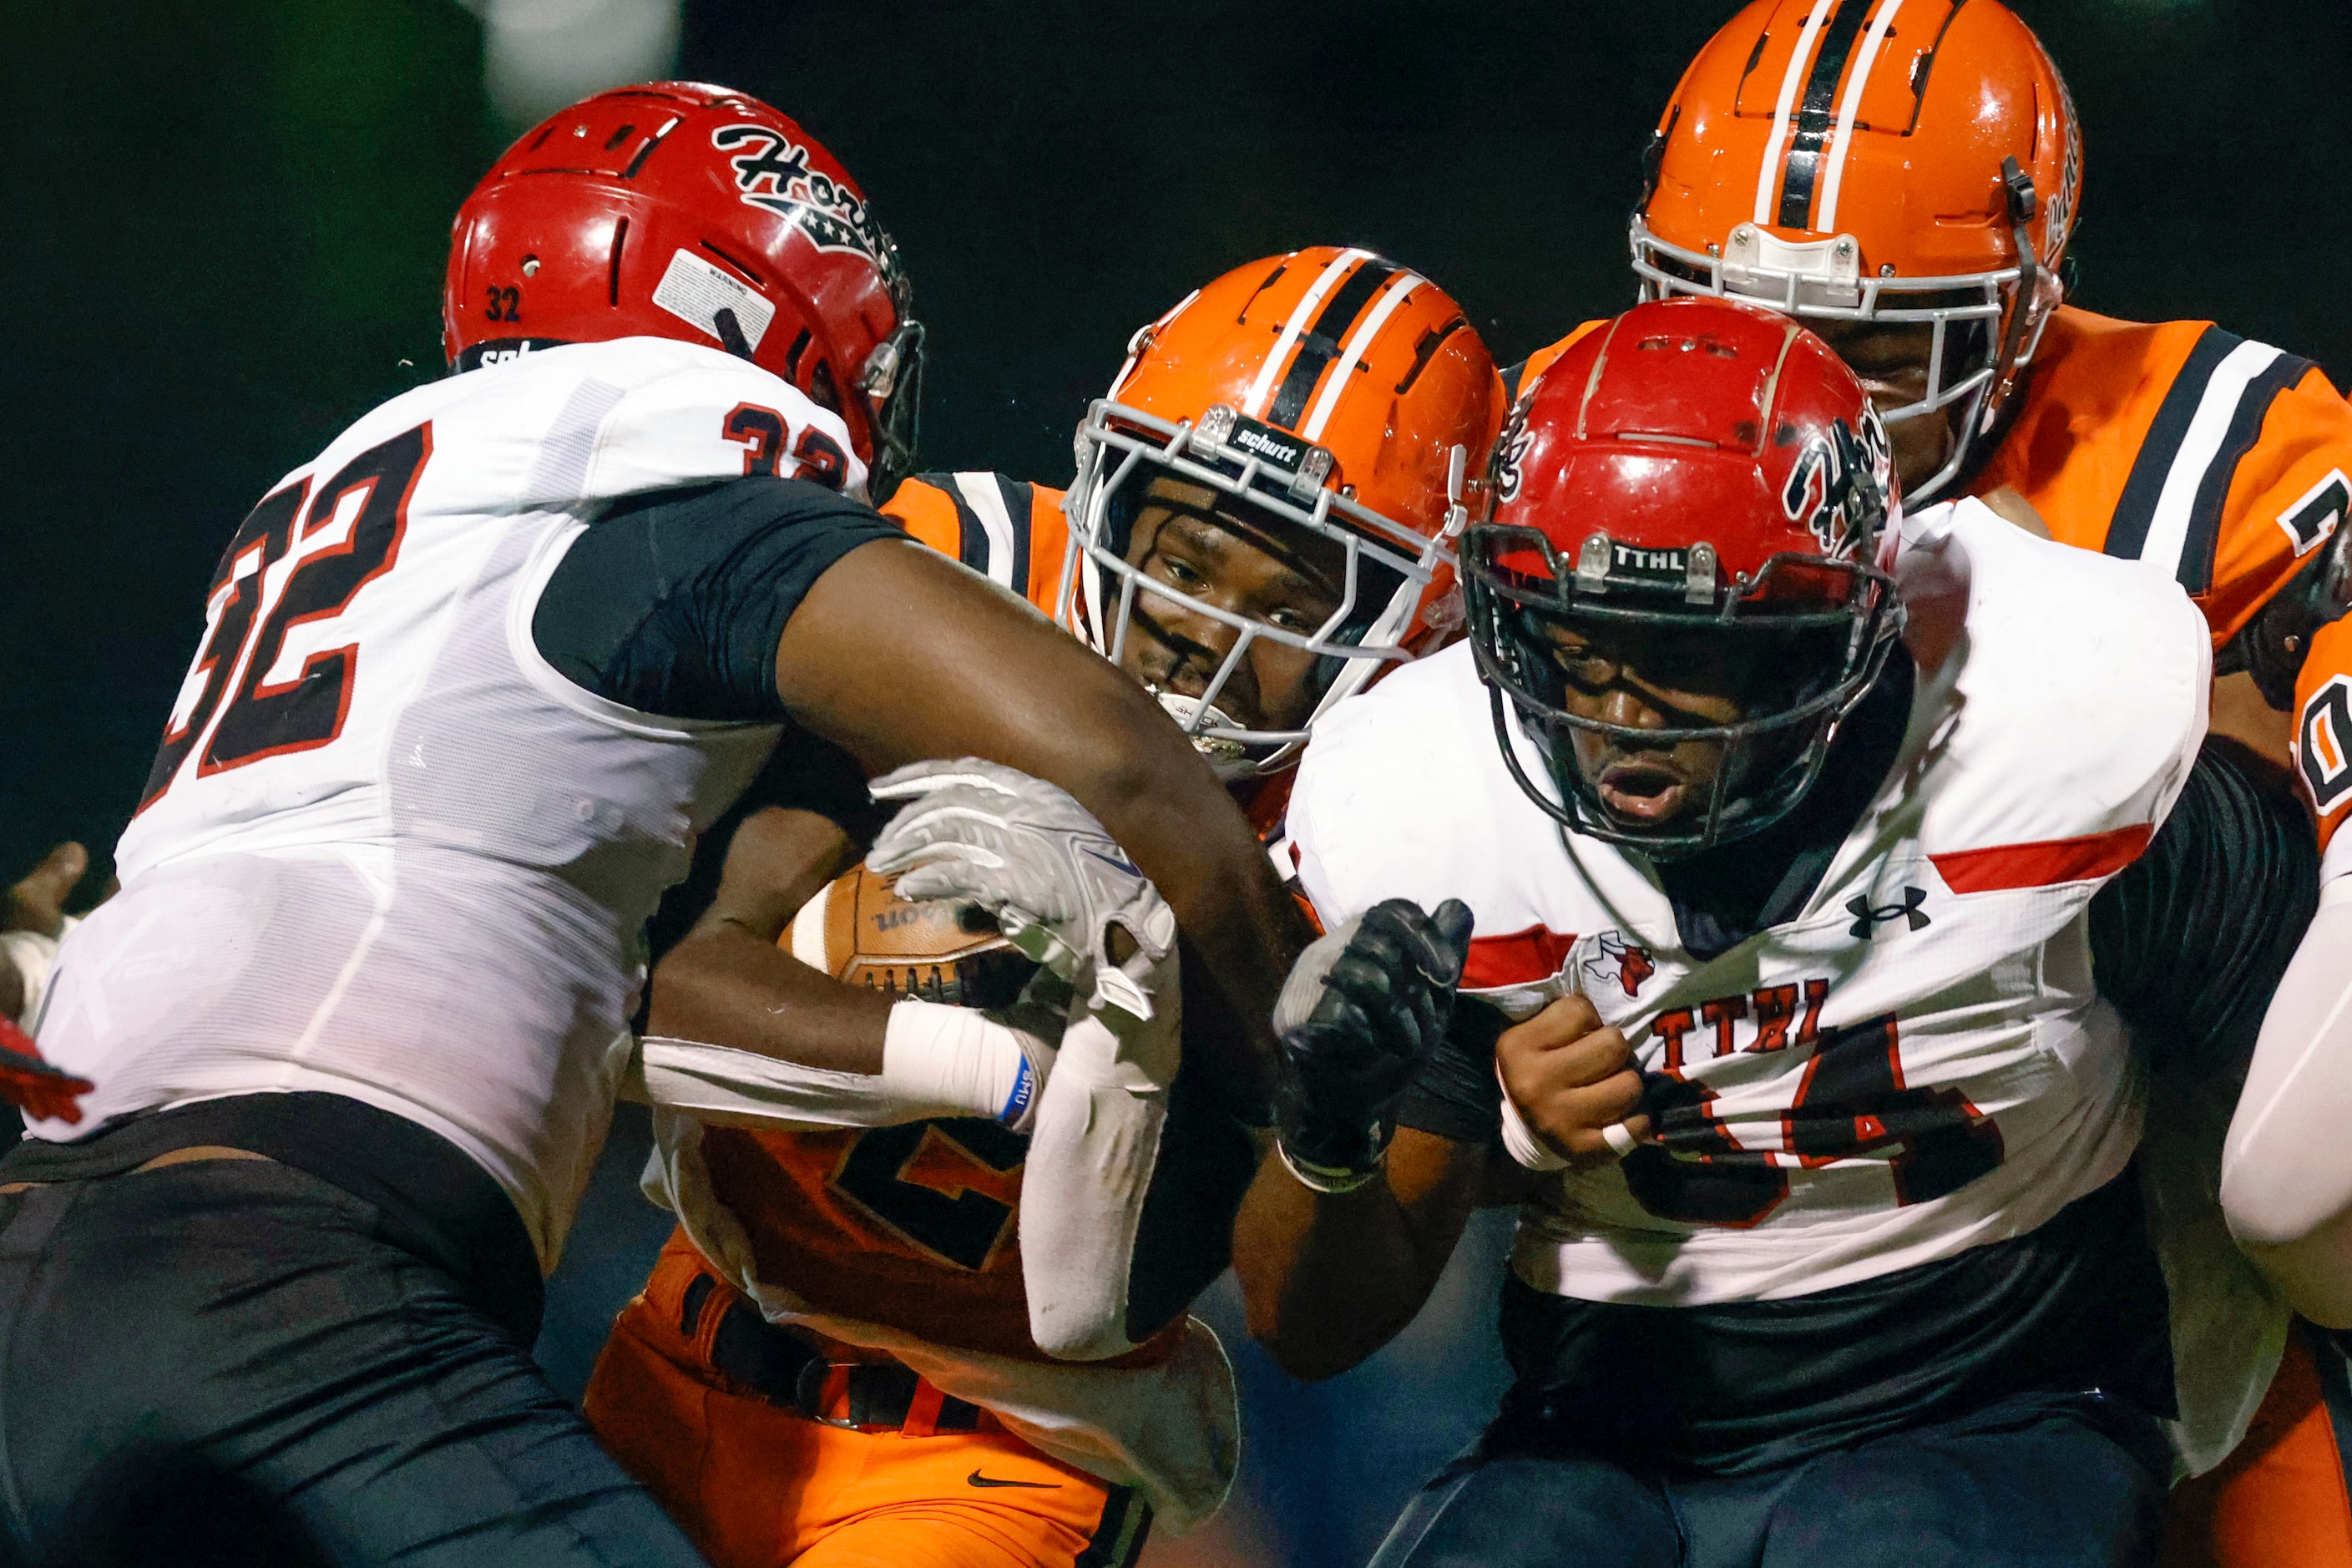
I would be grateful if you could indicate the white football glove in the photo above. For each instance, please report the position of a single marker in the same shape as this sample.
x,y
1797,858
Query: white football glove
x,y
1022,850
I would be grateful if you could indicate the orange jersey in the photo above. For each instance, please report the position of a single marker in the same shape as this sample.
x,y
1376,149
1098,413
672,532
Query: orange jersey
x,y
2219,460
911,1226
2183,445
1010,532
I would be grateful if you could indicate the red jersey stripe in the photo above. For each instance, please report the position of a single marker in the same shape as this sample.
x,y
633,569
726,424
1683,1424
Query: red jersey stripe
x,y
2043,865
1520,959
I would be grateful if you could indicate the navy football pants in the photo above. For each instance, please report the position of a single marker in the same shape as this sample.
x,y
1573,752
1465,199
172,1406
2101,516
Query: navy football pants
x,y
221,1362
2049,1482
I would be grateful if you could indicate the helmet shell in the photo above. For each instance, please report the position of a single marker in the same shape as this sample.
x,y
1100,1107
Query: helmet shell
x,y
1336,393
648,210
1694,421
1910,162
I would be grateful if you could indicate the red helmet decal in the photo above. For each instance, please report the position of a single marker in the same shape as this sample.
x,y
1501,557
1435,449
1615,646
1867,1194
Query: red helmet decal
x,y
772,171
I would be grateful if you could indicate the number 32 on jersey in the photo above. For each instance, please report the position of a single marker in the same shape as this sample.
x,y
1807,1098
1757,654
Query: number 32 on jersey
x,y
240,701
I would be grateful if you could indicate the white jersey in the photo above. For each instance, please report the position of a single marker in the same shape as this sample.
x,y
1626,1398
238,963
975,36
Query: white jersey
x,y
388,852
1914,1063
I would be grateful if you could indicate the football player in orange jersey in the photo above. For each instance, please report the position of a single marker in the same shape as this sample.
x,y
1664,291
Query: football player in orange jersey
x,y
1905,175
847,1354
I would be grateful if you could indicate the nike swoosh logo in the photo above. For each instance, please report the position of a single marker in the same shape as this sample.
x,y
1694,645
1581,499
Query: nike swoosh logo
x,y
976,1478
1117,860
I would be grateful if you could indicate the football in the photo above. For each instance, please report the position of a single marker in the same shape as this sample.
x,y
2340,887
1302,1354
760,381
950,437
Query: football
x,y
859,930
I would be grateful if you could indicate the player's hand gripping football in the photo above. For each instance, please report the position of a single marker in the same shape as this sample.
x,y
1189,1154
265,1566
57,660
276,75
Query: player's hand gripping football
x,y
1361,1010
1060,888
1572,1096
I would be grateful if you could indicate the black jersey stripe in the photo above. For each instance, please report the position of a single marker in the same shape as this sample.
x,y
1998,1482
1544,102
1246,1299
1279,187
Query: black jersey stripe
x,y
2128,529
1019,496
972,535
1817,113
2203,541
1118,1539
1319,345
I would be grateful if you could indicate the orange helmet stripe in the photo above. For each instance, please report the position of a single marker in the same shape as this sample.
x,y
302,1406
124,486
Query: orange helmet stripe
x,y
1339,376
1848,109
1262,389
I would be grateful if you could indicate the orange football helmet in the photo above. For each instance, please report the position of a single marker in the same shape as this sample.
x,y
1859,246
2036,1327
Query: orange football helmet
x,y
1907,162
1332,391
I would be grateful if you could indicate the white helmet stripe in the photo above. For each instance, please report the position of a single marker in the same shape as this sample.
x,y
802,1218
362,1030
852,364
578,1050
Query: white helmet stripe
x,y
1767,177
1336,379
1841,139
1262,389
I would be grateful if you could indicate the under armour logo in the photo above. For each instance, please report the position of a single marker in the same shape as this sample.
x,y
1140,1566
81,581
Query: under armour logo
x,y
1866,916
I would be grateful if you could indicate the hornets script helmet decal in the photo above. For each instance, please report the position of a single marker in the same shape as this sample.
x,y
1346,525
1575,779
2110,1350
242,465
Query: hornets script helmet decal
x,y
773,173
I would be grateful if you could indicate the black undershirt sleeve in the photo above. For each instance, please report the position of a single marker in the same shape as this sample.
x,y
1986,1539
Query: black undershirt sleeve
x,y
1455,1094
672,602
2191,941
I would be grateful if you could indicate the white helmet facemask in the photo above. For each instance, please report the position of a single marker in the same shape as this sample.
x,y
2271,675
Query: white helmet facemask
x,y
1983,326
1386,567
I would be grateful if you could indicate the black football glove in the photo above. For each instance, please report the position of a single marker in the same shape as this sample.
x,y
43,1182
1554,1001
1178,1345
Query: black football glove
x,y
1362,1009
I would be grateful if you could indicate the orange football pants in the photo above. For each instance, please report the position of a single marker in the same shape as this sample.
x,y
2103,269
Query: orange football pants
x,y
757,1484
2280,1500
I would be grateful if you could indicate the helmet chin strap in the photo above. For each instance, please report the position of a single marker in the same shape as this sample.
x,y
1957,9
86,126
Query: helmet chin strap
x,y
2023,203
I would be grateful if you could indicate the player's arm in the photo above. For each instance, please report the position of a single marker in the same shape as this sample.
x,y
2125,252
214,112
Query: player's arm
x,y
1329,1279
741,1031
2286,1170
777,600
727,982
990,677
1346,1228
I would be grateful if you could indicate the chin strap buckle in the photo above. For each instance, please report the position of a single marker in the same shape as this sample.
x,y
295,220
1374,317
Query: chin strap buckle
x,y
1593,562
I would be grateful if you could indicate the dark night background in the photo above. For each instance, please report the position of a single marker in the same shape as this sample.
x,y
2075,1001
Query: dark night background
x,y
223,230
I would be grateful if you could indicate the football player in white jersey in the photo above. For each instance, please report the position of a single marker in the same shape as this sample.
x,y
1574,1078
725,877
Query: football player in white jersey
x,y
468,684
1781,843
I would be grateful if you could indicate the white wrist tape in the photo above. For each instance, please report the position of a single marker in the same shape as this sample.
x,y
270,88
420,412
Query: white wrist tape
x,y
963,1062
1520,1139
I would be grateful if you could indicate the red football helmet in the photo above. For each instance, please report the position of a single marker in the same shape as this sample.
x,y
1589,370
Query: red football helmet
x,y
1707,482
682,210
